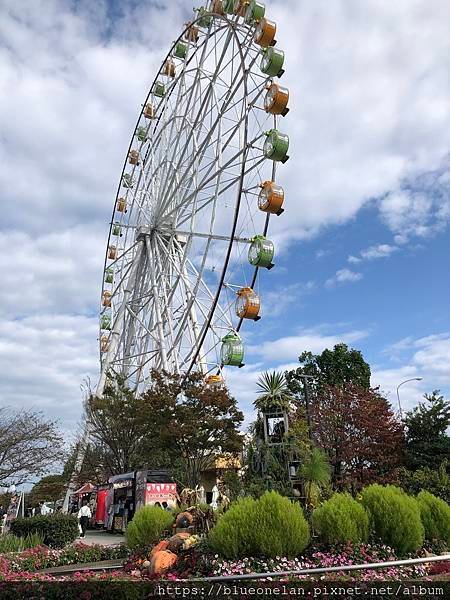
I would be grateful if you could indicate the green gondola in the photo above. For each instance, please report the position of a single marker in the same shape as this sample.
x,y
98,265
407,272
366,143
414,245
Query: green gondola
x,y
127,181
276,146
109,275
204,18
141,134
232,351
261,252
181,50
117,229
159,89
255,12
105,322
272,62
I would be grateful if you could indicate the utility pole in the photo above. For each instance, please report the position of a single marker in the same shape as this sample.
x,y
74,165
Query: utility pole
x,y
307,403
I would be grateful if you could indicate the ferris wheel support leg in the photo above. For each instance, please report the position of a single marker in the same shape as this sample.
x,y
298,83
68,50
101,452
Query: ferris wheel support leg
x,y
159,323
115,337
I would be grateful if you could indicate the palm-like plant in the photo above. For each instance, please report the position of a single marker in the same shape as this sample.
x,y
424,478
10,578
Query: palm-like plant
x,y
274,392
316,474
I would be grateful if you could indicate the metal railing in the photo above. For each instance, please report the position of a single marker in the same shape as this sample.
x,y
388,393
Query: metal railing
x,y
316,571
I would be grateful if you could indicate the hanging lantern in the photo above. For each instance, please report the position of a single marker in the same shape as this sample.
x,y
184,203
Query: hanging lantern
x,y
204,19
117,229
105,322
248,304
149,111
109,275
216,6
276,146
192,33
261,251
159,89
272,62
112,252
141,134
276,100
127,181
232,351
121,205
214,380
271,198
255,12
133,157
104,343
106,300
169,68
265,33
181,50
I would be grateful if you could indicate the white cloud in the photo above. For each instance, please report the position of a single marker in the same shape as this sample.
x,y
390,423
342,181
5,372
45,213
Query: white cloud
x,y
343,276
289,348
43,361
56,272
373,252
427,357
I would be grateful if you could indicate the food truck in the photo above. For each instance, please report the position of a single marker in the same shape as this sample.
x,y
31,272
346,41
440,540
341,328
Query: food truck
x,y
128,492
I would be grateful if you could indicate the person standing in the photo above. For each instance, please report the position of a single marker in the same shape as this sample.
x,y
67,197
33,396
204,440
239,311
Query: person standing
x,y
84,515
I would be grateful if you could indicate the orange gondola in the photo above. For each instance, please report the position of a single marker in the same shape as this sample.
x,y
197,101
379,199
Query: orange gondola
x,y
271,198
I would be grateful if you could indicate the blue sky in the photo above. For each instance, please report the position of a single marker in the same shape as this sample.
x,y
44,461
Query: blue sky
x,y
362,249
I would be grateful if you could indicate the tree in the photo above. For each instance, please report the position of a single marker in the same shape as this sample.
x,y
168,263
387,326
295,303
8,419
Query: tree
x,y
118,429
176,424
49,489
29,446
337,368
274,392
195,422
316,474
360,434
427,441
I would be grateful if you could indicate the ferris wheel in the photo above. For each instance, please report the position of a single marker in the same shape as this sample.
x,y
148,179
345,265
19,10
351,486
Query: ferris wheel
x,y
189,232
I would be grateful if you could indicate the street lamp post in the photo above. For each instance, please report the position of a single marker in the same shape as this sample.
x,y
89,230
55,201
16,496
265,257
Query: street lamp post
x,y
398,394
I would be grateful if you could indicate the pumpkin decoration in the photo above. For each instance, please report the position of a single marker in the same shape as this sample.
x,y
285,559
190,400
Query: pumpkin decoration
x,y
184,520
160,546
176,542
162,561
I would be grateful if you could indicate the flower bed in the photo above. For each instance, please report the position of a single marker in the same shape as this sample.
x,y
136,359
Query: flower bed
x,y
199,564
41,557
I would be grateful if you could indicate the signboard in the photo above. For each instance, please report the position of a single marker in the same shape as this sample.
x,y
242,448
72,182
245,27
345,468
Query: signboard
x,y
141,483
161,492
13,510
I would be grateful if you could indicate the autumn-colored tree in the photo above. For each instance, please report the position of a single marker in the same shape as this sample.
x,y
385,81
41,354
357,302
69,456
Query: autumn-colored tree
x,y
195,422
178,424
359,432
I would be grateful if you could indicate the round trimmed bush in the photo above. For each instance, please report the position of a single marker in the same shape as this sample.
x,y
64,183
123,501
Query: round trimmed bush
x,y
270,526
341,519
435,515
148,525
394,517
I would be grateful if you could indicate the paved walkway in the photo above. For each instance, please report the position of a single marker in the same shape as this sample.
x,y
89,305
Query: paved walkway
x,y
103,538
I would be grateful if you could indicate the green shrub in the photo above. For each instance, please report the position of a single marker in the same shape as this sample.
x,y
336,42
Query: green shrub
x,y
270,526
394,517
12,543
341,519
147,526
56,530
435,515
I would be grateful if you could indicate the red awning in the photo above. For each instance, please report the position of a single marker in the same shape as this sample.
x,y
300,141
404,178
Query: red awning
x,y
87,488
